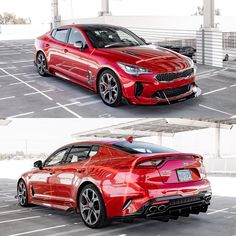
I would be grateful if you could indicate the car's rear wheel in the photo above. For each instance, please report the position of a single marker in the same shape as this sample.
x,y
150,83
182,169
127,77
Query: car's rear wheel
x,y
22,194
109,88
92,207
41,63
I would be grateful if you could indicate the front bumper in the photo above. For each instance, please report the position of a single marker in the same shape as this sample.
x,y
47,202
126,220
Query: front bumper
x,y
152,93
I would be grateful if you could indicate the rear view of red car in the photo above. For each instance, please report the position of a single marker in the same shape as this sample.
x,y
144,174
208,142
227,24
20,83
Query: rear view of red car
x,y
117,64
104,180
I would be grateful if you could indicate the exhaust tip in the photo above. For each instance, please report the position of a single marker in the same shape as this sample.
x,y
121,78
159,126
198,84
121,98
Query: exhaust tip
x,y
153,209
162,208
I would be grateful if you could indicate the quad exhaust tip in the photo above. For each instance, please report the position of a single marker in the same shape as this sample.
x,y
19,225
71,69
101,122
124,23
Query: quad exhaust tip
x,y
154,209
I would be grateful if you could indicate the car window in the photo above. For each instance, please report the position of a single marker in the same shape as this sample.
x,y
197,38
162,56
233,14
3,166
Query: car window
x,y
61,35
78,154
56,159
141,147
75,36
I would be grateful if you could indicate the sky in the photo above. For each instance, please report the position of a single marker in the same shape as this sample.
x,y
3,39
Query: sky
x,y
46,135
41,13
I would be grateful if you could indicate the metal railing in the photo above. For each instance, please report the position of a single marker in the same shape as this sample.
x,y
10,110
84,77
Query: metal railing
x,y
181,38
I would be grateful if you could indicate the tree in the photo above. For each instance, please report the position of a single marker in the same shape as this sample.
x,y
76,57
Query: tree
x,y
200,11
9,18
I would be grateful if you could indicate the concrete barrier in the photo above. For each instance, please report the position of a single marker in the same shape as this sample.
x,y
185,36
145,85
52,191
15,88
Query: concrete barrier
x,y
10,32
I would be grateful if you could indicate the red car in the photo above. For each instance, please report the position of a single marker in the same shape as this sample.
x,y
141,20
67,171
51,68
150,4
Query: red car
x,y
126,179
117,64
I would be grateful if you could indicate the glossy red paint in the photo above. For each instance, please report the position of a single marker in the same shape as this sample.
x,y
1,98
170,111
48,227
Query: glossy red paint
x,y
119,176
85,66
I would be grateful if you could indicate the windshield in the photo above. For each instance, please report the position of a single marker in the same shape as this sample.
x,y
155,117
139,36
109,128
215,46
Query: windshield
x,y
141,147
110,37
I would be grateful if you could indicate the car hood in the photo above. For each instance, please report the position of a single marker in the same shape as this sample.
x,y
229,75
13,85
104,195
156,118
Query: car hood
x,y
149,56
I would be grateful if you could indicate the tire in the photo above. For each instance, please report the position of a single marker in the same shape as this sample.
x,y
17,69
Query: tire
x,y
41,64
92,207
109,88
22,194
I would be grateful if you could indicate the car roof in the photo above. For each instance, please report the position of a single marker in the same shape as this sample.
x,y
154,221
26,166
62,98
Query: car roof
x,y
108,142
89,26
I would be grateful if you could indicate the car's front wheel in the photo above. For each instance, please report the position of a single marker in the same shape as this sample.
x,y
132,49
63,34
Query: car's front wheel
x,y
109,88
41,63
22,194
92,207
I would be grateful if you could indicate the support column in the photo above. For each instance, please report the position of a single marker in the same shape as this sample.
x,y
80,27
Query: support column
x,y
217,141
209,38
159,137
105,8
56,19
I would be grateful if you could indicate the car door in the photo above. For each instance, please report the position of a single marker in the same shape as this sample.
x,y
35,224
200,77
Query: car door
x,y
68,176
41,180
57,49
78,61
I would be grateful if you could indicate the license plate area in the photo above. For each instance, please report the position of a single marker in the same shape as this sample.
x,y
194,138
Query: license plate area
x,y
184,175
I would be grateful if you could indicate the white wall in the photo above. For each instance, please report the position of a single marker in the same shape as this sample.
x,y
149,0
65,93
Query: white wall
x,y
30,31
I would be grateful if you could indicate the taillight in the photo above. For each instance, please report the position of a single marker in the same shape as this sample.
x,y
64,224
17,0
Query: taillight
x,y
150,163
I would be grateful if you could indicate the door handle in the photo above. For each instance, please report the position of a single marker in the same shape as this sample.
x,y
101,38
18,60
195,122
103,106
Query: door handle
x,y
81,170
47,45
52,173
65,50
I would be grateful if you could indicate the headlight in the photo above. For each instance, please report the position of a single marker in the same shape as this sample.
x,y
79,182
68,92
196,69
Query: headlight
x,y
133,70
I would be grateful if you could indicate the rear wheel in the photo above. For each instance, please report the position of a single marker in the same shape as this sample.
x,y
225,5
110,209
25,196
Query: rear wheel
x,y
110,89
22,194
92,207
41,63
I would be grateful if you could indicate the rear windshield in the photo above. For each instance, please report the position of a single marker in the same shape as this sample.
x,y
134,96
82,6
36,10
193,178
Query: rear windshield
x,y
141,147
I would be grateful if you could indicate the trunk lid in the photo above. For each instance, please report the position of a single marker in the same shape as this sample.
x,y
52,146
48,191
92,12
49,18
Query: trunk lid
x,y
176,167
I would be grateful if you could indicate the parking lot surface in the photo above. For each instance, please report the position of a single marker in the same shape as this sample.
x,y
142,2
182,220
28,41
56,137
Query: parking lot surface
x,y
15,220
23,93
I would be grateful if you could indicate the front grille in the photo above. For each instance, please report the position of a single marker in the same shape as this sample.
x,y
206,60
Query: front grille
x,y
162,94
168,77
185,200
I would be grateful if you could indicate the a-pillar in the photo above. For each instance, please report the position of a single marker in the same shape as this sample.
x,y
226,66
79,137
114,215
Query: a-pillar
x,y
209,38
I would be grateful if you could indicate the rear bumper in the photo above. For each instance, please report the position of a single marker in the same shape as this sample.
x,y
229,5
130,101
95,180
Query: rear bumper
x,y
166,208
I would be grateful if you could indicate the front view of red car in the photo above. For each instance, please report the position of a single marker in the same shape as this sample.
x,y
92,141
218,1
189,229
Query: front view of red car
x,y
117,64
111,179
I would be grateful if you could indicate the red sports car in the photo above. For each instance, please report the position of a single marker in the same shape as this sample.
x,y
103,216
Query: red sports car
x,y
117,64
110,179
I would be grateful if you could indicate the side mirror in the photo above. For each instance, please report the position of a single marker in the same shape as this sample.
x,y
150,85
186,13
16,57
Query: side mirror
x,y
79,44
38,164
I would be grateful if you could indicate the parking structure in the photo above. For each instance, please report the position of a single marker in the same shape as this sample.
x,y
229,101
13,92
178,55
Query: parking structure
x,y
23,93
15,220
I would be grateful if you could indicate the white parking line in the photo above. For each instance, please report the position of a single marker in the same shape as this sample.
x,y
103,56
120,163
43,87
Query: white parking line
x,y
18,219
17,83
234,85
214,91
68,232
3,206
5,98
28,66
7,212
112,231
22,61
213,109
2,76
56,107
22,114
37,230
45,91
70,111
214,212
20,80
